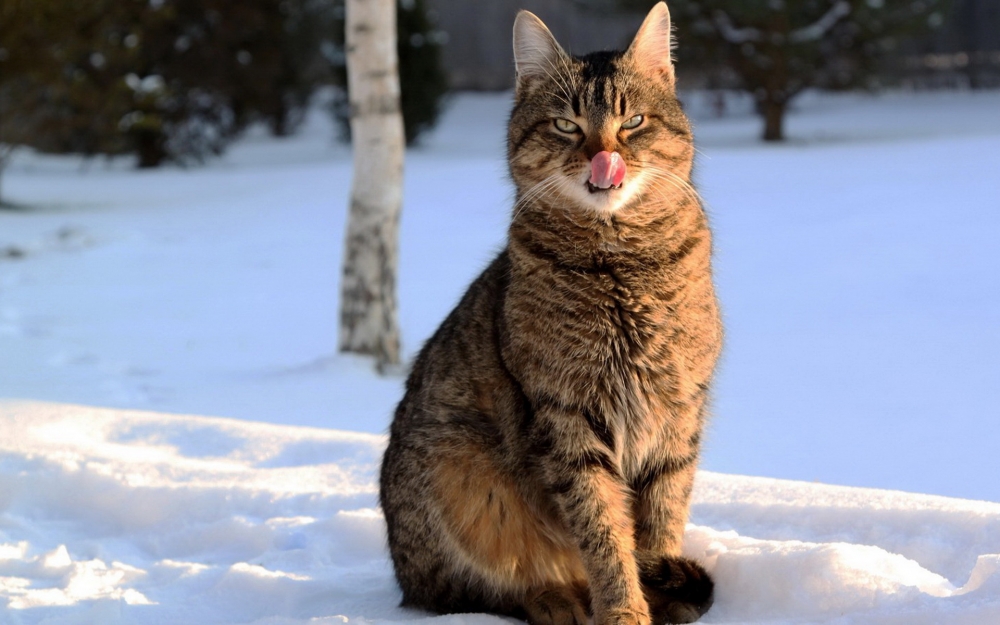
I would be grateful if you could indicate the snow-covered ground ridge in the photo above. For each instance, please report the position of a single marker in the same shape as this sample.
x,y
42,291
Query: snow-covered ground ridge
x,y
132,517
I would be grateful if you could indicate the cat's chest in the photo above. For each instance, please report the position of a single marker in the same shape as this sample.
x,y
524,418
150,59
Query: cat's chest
x,y
623,311
597,324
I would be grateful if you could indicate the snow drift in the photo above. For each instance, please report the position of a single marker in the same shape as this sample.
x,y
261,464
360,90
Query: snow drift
x,y
113,516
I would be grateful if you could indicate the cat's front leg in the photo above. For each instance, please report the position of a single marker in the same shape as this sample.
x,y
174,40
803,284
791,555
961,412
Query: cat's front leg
x,y
586,486
678,590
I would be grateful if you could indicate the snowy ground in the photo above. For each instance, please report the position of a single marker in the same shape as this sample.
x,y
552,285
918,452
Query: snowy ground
x,y
130,517
860,279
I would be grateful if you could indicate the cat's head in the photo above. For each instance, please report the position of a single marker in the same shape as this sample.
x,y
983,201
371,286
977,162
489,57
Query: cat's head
x,y
601,133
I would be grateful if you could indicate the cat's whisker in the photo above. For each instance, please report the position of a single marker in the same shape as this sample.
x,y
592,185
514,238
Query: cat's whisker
x,y
564,96
558,77
677,181
561,77
565,80
687,186
668,188
678,185
537,191
661,175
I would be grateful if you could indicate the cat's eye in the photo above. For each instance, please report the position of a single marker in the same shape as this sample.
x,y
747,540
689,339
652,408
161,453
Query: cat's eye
x,y
632,123
564,125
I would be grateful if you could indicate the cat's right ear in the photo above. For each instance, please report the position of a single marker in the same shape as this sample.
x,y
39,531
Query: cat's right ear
x,y
537,54
653,45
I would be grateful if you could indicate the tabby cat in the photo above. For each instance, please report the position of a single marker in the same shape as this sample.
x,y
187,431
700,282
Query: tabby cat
x,y
540,464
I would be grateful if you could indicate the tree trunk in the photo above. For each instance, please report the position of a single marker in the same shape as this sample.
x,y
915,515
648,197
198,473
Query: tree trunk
x,y
368,320
774,120
150,145
3,164
6,151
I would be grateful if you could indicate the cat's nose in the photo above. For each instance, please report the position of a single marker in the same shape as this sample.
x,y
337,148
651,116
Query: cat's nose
x,y
607,169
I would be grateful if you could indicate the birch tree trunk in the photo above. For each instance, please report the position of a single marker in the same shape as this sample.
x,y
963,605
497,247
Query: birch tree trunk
x,y
368,319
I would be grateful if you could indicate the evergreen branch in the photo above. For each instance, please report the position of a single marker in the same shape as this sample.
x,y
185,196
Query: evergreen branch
x,y
819,28
731,33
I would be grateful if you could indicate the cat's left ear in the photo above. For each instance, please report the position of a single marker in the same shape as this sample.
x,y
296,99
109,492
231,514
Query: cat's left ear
x,y
536,52
652,46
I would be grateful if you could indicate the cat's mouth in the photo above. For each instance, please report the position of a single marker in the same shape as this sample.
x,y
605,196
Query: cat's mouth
x,y
596,189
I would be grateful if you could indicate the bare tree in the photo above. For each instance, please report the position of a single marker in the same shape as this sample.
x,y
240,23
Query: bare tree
x,y
368,319
775,49
778,57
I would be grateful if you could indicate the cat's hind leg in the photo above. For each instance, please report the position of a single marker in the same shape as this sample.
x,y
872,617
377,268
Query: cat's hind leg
x,y
511,546
464,538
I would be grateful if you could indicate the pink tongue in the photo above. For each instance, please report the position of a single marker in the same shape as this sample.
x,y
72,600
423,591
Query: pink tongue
x,y
607,169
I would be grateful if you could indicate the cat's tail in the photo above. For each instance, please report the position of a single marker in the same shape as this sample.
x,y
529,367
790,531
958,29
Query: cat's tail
x,y
678,590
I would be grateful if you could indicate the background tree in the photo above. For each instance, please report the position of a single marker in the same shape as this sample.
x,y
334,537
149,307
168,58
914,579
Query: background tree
x,y
368,323
198,72
774,49
309,28
161,79
423,81
26,27
178,80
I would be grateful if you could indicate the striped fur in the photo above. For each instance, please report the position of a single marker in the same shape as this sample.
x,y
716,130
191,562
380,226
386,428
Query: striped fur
x,y
540,464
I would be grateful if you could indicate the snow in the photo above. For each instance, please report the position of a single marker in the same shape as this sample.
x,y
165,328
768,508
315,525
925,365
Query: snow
x,y
860,281
113,516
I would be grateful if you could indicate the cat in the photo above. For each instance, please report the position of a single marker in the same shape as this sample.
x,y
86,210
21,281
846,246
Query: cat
x,y
541,461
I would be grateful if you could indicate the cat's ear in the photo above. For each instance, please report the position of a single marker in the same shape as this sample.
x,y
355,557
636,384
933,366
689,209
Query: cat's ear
x,y
652,46
537,54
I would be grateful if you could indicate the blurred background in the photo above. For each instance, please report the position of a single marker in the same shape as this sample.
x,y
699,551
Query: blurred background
x,y
178,80
174,181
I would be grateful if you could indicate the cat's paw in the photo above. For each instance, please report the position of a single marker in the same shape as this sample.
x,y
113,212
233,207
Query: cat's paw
x,y
556,605
624,617
678,591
